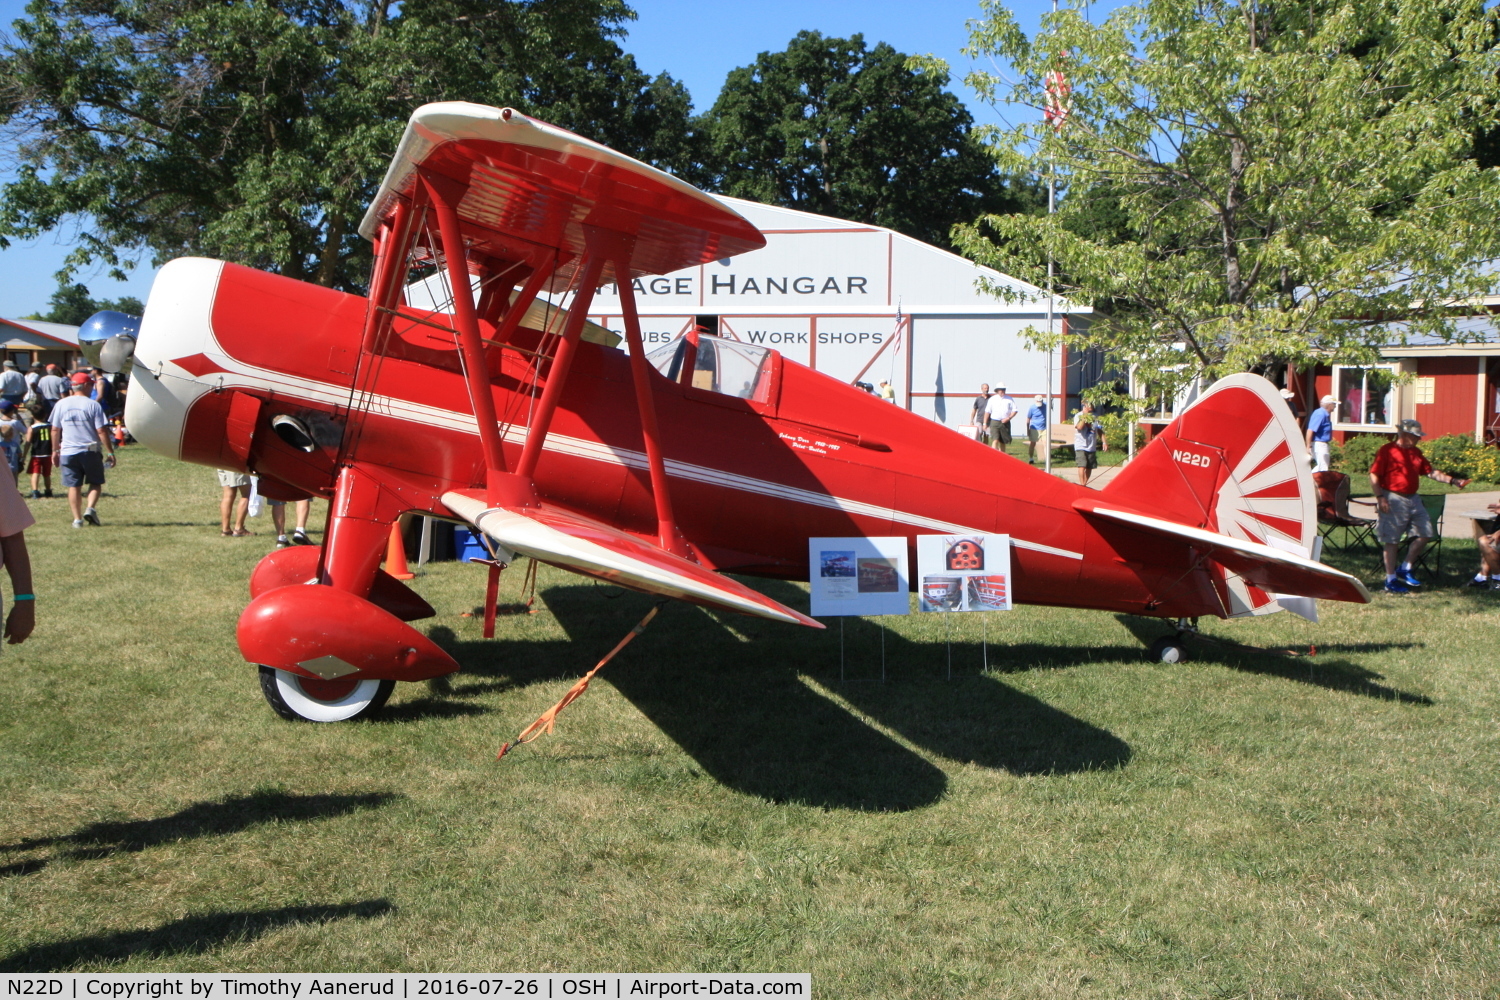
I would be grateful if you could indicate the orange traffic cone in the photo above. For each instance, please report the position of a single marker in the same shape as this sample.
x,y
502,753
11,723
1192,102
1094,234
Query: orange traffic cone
x,y
395,555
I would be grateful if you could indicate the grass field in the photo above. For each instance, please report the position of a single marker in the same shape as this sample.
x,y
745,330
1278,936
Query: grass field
x,y
1072,822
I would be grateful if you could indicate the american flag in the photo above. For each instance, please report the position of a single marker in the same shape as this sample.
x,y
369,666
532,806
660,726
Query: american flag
x,y
1056,110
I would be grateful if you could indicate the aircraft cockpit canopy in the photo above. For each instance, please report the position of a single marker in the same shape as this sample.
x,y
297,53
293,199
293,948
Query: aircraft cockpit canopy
x,y
720,365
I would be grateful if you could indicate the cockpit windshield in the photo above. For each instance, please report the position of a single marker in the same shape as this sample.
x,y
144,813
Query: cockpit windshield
x,y
720,365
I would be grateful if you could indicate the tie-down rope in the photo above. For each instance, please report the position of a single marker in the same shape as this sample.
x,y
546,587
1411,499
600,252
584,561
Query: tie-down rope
x,y
547,718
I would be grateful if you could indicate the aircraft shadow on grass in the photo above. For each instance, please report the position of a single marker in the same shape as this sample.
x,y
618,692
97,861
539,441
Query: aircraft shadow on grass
x,y
742,711
1325,670
191,935
201,819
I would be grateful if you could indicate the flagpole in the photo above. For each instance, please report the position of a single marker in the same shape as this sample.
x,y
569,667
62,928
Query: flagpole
x,y
1051,209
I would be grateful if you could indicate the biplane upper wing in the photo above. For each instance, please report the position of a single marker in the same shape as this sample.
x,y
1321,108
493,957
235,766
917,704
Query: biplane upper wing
x,y
566,540
525,179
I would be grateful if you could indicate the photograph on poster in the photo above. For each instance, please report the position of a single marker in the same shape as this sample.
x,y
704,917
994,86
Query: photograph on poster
x,y
859,576
964,573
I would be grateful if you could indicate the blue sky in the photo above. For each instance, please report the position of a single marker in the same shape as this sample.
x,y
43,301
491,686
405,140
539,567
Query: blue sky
x,y
696,42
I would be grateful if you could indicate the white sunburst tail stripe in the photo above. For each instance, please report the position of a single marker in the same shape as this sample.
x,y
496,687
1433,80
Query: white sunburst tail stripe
x,y
1270,437
1241,522
1248,480
1287,508
1282,472
1235,513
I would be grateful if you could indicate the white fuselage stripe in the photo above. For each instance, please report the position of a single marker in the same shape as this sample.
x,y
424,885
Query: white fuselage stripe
x,y
241,375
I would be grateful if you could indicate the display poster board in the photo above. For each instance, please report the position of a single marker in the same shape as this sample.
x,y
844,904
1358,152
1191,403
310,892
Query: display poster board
x,y
964,572
858,576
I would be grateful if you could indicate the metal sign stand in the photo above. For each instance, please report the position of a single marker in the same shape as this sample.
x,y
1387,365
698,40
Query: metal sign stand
x,y
948,635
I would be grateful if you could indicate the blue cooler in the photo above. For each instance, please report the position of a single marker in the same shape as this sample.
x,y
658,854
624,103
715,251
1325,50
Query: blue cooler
x,y
466,545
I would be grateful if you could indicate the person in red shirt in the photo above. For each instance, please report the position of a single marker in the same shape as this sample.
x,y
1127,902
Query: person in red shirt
x,y
1394,478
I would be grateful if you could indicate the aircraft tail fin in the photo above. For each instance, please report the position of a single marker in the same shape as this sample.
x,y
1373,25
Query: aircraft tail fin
x,y
1233,463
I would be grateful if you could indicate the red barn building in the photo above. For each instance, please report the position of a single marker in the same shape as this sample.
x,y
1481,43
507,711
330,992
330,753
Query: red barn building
x,y
1452,388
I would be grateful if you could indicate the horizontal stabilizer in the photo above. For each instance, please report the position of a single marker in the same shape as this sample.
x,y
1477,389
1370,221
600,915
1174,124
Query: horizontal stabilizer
x,y
580,545
1269,568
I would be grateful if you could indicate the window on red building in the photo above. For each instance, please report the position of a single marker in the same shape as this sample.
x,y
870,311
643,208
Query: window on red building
x,y
1367,395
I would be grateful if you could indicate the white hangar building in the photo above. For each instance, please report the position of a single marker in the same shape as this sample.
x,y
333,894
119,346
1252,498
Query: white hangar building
x,y
860,302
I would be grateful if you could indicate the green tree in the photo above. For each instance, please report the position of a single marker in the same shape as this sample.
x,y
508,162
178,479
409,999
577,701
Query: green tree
x,y
832,127
1256,183
72,304
257,130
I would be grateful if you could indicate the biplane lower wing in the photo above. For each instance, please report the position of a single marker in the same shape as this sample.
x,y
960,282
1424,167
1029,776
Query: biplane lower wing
x,y
1267,567
580,545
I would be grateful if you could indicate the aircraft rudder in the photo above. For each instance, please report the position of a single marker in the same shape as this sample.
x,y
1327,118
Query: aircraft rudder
x,y
1235,463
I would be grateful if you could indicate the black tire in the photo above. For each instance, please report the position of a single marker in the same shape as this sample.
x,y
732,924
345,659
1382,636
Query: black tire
x,y
1168,649
287,699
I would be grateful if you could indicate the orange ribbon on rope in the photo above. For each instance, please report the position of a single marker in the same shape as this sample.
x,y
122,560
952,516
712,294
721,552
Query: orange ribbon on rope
x,y
528,587
547,718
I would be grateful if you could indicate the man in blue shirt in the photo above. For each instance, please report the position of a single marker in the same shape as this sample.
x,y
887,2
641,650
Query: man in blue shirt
x,y
1320,432
1036,423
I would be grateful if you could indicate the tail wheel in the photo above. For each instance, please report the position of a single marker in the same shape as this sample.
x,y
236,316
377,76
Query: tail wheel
x,y
308,699
1167,649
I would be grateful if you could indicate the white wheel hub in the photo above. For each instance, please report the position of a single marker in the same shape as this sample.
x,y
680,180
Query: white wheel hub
x,y
289,686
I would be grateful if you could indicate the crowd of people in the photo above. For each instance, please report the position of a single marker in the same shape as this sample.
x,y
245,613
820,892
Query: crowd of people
x,y
993,412
48,419
74,423
69,422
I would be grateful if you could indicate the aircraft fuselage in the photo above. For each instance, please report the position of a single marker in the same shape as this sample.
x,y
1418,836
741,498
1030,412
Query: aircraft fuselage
x,y
225,349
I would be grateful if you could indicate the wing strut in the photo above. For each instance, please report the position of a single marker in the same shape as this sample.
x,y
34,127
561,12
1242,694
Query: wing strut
x,y
602,247
666,525
562,360
390,252
466,322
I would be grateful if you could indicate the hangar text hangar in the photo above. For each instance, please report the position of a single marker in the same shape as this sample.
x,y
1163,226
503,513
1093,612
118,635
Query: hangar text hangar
x,y
859,302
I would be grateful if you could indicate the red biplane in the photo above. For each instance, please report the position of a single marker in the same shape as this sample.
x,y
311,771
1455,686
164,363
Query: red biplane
x,y
657,472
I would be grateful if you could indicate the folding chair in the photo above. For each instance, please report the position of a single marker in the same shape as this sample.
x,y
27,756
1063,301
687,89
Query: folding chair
x,y
1434,549
1340,530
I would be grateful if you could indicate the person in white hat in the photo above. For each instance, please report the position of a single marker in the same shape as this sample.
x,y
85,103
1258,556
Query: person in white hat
x,y
998,412
1320,433
1394,479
